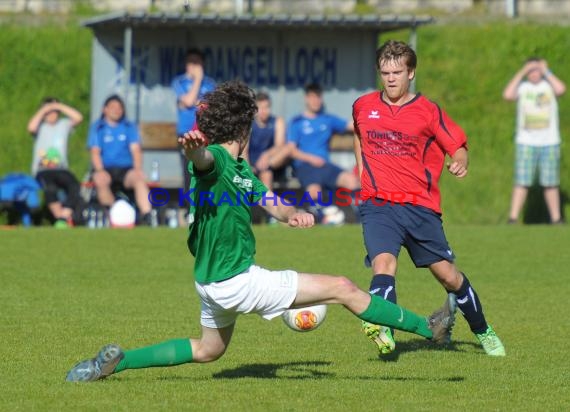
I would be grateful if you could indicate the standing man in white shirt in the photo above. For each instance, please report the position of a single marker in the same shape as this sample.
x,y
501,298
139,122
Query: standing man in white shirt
x,y
535,89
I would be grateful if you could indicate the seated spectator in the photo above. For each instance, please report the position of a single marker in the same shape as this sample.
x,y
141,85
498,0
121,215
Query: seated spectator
x,y
50,167
268,151
309,135
116,157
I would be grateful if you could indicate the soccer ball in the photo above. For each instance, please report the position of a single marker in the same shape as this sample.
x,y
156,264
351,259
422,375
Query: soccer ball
x,y
332,215
305,319
122,214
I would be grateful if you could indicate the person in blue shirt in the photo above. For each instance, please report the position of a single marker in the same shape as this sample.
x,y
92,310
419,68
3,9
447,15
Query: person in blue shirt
x,y
116,157
190,87
309,135
267,151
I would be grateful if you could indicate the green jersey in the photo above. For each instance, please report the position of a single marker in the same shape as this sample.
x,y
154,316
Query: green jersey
x,y
221,238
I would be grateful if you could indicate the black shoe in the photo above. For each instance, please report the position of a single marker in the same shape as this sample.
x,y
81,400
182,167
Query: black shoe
x,y
146,219
149,219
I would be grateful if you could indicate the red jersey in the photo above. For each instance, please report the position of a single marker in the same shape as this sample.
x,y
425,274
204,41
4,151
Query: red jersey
x,y
404,148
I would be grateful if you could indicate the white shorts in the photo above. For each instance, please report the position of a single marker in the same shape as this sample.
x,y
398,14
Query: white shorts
x,y
257,290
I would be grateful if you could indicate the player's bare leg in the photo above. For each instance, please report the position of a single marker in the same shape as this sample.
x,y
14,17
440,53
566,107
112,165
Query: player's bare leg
x,y
315,289
212,344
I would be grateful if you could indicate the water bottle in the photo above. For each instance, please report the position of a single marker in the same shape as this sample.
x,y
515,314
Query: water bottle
x,y
92,222
26,219
154,218
171,218
154,172
100,219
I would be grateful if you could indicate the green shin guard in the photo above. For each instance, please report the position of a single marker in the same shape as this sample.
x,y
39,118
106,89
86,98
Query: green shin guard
x,y
382,312
169,353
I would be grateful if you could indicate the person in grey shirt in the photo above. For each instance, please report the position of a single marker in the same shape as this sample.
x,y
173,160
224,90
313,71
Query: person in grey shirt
x,y
51,127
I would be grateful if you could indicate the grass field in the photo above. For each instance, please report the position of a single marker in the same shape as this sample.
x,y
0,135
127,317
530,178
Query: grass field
x,y
66,293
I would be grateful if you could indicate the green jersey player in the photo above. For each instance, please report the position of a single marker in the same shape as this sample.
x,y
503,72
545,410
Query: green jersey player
x,y
222,242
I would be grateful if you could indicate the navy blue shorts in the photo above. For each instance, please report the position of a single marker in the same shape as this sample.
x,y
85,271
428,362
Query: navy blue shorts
x,y
118,175
325,176
387,227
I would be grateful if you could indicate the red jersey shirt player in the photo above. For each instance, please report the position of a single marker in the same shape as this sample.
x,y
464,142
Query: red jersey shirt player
x,y
403,148
402,140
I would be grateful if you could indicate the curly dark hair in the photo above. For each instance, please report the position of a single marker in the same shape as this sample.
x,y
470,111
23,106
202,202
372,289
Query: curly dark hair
x,y
226,114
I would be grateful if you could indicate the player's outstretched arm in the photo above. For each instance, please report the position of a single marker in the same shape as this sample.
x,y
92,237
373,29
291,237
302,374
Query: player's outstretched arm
x,y
194,145
286,213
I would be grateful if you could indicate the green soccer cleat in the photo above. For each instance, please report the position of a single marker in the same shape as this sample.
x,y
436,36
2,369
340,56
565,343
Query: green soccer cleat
x,y
381,336
99,367
491,342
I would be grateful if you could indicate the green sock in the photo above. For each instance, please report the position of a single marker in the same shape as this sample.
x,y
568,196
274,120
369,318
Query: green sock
x,y
169,353
382,312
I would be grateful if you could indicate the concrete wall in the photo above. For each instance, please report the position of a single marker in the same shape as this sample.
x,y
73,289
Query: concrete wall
x,y
412,5
35,6
558,8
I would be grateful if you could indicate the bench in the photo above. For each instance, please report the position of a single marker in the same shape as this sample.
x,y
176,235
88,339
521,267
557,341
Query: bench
x,y
159,143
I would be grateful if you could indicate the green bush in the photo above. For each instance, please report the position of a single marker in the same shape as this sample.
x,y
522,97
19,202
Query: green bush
x,y
463,67
38,62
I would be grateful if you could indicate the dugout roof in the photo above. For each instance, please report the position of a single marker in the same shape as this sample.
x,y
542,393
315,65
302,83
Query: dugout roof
x,y
350,22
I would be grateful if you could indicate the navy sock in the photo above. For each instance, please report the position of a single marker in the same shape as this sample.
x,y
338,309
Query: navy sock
x,y
469,304
317,211
384,286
